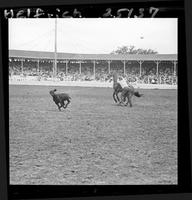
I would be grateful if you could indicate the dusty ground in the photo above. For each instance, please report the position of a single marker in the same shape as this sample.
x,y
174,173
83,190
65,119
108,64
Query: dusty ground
x,y
93,141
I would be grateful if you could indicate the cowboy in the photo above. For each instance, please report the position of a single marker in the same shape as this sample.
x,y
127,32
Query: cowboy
x,y
125,86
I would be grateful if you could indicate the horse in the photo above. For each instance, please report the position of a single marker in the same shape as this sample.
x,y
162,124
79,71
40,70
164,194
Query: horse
x,y
128,92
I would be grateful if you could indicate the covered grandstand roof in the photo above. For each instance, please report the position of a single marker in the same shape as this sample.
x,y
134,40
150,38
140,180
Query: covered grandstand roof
x,y
71,56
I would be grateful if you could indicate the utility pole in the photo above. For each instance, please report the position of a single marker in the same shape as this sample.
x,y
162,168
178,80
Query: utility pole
x,y
55,54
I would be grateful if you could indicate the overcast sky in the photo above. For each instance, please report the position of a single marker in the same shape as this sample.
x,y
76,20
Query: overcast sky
x,y
93,36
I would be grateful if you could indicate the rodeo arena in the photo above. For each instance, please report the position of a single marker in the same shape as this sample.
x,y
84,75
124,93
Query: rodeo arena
x,y
92,119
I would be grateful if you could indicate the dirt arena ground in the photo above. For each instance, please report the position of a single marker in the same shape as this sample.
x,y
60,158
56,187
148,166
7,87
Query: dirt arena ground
x,y
93,141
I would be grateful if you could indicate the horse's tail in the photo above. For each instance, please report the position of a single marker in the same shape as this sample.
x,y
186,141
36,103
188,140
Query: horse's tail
x,y
137,94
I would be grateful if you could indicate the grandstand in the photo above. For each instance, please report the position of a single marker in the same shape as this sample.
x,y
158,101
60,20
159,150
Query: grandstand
x,y
145,69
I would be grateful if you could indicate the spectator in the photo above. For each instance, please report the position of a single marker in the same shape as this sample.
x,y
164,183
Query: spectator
x,y
132,74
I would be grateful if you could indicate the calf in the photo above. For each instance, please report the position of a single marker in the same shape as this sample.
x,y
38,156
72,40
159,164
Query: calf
x,y
60,99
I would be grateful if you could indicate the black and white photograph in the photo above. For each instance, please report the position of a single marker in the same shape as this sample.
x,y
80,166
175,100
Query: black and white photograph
x,y
93,101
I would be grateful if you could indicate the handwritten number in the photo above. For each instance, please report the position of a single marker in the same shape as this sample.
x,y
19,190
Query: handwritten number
x,y
130,12
155,11
108,13
141,10
124,10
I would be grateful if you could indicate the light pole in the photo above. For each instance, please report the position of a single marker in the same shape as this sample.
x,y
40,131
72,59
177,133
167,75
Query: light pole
x,y
55,53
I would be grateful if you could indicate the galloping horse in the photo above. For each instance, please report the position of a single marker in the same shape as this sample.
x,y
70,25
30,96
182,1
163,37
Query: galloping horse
x,y
130,91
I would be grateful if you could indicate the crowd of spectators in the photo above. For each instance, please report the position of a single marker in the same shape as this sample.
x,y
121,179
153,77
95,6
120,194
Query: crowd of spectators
x,y
147,75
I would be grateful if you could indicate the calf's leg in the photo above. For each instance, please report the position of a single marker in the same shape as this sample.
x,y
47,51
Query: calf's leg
x,y
68,101
63,104
59,107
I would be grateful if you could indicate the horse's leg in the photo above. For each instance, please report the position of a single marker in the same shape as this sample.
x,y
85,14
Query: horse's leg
x,y
118,96
123,96
126,97
114,94
130,97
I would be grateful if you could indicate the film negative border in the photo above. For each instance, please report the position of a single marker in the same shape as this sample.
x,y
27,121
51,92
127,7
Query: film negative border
x,y
122,10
